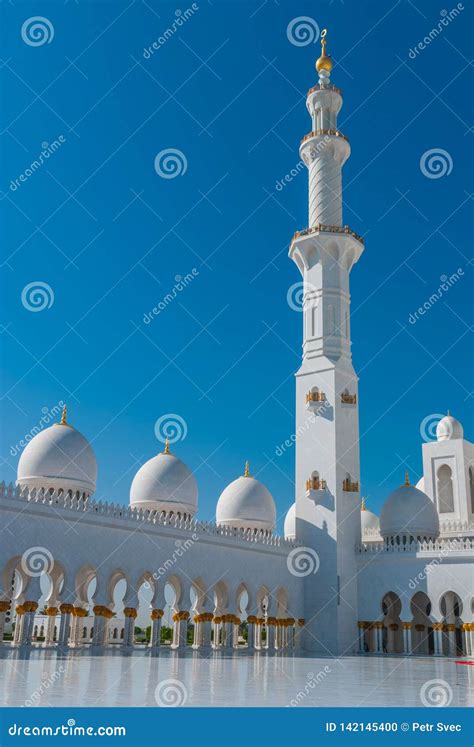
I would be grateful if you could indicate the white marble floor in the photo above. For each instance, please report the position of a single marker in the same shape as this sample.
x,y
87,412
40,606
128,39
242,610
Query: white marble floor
x,y
47,678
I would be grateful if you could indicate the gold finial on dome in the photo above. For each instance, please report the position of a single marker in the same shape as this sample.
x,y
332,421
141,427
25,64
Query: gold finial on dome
x,y
63,420
166,450
362,505
324,62
407,480
247,470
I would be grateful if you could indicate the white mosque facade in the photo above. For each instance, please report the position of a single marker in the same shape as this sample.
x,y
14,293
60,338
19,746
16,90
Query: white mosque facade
x,y
341,580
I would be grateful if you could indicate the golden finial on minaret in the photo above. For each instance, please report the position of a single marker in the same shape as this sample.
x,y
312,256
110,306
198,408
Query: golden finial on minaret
x,y
324,62
362,505
407,480
166,450
247,472
63,420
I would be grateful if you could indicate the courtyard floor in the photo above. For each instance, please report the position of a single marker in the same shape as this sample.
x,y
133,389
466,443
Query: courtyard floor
x,y
78,678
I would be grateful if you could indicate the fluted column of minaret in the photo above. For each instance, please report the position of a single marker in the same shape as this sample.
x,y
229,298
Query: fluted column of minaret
x,y
324,149
325,191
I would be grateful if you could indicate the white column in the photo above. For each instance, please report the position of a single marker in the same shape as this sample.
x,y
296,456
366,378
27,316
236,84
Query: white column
x,y
64,624
407,647
438,638
128,633
379,637
451,628
4,606
155,639
49,638
361,637
205,630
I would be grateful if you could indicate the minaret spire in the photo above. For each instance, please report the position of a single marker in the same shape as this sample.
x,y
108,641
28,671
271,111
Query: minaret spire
x,y
324,63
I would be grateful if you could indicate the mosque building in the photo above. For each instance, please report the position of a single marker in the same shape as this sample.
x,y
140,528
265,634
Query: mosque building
x,y
340,581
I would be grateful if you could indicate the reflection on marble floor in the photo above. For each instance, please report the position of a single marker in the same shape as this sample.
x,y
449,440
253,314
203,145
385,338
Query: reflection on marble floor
x,y
47,678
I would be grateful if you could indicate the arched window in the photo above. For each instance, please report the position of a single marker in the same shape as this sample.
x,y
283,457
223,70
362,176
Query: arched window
x,y
445,490
84,632
115,633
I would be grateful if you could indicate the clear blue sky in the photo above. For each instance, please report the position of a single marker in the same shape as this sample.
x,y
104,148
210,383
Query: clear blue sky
x,y
109,235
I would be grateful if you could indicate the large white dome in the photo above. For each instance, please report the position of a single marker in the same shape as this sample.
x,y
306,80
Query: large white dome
x,y
289,527
246,504
449,428
164,483
58,458
409,513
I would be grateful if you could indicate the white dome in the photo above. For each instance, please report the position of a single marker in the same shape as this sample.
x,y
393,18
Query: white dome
x,y
409,513
164,483
58,458
420,485
449,428
246,504
369,521
289,527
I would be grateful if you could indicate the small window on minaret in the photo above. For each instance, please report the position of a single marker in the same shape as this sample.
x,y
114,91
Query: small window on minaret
x,y
445,490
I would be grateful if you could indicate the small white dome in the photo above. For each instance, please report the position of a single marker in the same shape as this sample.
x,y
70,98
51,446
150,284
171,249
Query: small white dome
x,y
409,513
246,504
164,483
58,458
420,485
289,527
449,428
369,521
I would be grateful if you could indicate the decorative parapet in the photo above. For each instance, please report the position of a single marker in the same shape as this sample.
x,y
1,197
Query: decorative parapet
x,y
315,397
117,511
315,484
348,399
318,133
441,546
350,487
328,87
456,527
323,228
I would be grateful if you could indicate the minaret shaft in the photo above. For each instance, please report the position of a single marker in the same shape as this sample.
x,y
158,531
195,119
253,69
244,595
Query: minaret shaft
x,y
327,423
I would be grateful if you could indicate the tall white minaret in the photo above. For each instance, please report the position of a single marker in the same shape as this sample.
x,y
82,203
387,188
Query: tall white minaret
x,y
327,420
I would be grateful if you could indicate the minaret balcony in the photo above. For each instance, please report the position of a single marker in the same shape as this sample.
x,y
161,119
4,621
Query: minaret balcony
x,y
323,133
348,399
315,489
321,228
315,400
350,487
328,87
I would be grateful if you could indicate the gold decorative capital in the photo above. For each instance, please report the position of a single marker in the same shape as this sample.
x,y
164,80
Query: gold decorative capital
x,y
130,612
